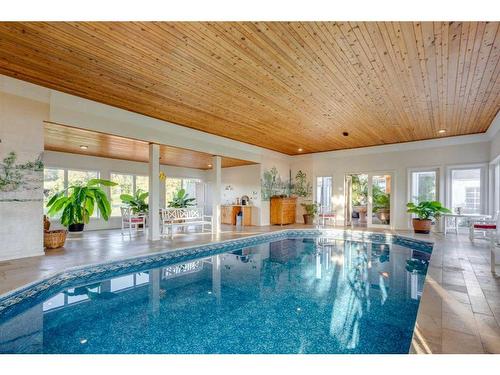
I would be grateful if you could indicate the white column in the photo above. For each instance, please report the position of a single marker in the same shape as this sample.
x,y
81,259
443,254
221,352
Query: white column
x,y
154,290
216,191
154,192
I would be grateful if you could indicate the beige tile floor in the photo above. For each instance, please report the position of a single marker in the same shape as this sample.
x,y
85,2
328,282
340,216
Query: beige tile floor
x,y
459,311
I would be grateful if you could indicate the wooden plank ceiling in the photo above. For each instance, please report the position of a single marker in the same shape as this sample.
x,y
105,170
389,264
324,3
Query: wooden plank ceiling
x,y
69,139
280,85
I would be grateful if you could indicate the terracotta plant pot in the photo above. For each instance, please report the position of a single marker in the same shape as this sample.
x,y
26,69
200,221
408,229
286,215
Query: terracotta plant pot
x,y
308,219
422,225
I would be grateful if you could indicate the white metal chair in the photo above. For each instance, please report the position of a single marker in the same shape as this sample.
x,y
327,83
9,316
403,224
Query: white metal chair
x,y
132,221
325,214
484,228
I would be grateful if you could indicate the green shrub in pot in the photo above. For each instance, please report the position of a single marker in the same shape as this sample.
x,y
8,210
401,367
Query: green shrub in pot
x,y
78,202
425,211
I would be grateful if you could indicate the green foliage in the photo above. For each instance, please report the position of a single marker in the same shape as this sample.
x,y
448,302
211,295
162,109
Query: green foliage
x,y
381,200
311,208
427,210
359,194
11,176
302,187
181,200
77,203
136,202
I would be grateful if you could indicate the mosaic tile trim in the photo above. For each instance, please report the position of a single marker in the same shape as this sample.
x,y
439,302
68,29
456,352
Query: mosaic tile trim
x,y
38,291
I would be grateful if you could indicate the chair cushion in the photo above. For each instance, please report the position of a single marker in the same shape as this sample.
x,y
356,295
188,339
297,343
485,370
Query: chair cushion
x,y
485,226
136,219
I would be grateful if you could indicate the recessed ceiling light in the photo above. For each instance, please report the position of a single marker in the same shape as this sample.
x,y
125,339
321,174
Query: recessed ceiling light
x,y
209,166
345,134
442,131
300,149
83,147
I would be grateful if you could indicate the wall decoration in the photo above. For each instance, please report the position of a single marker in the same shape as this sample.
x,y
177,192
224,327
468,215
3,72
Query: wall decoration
x,y
272,184
302,187
20,182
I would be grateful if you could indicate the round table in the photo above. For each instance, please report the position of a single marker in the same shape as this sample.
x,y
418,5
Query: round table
x,y
451,220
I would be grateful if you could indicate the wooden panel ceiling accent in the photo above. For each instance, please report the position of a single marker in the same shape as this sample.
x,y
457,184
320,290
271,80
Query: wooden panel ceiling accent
x,y
69,139
279,85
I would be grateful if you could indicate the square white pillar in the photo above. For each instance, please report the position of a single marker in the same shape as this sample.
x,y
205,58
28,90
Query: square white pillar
x,y
154,192
216,191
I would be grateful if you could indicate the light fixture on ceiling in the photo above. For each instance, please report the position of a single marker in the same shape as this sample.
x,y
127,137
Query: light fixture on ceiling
x,y
300,149
442,131
83,147
209,165
345,134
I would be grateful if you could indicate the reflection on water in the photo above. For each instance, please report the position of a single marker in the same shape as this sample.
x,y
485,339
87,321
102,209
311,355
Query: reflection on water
x,y
290,296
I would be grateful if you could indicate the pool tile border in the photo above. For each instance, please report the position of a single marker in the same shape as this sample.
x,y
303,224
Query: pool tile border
x,y
38,290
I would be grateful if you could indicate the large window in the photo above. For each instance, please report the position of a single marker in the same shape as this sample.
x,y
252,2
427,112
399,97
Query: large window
x,y
53,182
81,177
466,190
324,193
193,187
423,186
58,179
127,184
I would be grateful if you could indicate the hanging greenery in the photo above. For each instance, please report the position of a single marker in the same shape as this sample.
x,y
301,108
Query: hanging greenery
x,y
302,187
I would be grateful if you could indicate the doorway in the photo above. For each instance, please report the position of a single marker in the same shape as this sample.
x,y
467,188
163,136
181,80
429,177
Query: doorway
x,y
368,200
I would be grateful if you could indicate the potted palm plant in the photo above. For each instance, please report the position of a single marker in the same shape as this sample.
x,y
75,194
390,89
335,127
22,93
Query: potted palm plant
x,y
311,211
426,211
136,202
181,200
77,203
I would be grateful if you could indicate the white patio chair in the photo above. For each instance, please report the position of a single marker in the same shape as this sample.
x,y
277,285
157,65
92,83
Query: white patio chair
x,y
484,228
325,214
132,221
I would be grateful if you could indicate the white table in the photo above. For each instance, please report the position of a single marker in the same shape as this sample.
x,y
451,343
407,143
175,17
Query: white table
x,y
451,220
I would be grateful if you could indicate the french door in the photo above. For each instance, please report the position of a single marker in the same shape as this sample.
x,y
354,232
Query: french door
x,y
369,199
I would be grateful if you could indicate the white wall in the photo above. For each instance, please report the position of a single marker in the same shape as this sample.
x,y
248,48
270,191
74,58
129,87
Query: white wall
x,y
107,166
21,131
244,180
382,159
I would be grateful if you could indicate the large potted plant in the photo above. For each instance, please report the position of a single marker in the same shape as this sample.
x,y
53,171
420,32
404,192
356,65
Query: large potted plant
x,y
181,200
77,203
311,211
426,211
136,202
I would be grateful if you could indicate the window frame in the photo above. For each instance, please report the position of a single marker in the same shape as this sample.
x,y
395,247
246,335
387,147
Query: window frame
x,y
134,183
483,183
437,169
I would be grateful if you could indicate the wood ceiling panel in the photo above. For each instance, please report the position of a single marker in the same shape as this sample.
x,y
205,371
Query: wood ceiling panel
x,y
64,138
279,85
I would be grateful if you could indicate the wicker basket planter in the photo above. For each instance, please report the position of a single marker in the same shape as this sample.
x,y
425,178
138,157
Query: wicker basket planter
x,y
54,239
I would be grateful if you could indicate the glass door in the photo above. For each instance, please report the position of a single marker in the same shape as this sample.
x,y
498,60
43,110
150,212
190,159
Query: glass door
x,y
368,200
380,199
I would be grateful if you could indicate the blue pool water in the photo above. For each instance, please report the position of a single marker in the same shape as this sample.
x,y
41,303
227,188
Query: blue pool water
x,y
294,295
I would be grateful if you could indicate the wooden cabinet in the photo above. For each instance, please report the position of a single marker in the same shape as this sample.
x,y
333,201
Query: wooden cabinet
x,y
229,213
283,210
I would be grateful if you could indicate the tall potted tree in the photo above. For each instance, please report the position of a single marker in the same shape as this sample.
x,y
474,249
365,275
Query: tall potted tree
x,y
426,211
77,203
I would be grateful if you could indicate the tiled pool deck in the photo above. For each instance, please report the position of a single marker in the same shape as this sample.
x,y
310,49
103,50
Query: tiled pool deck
x,y
459,311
